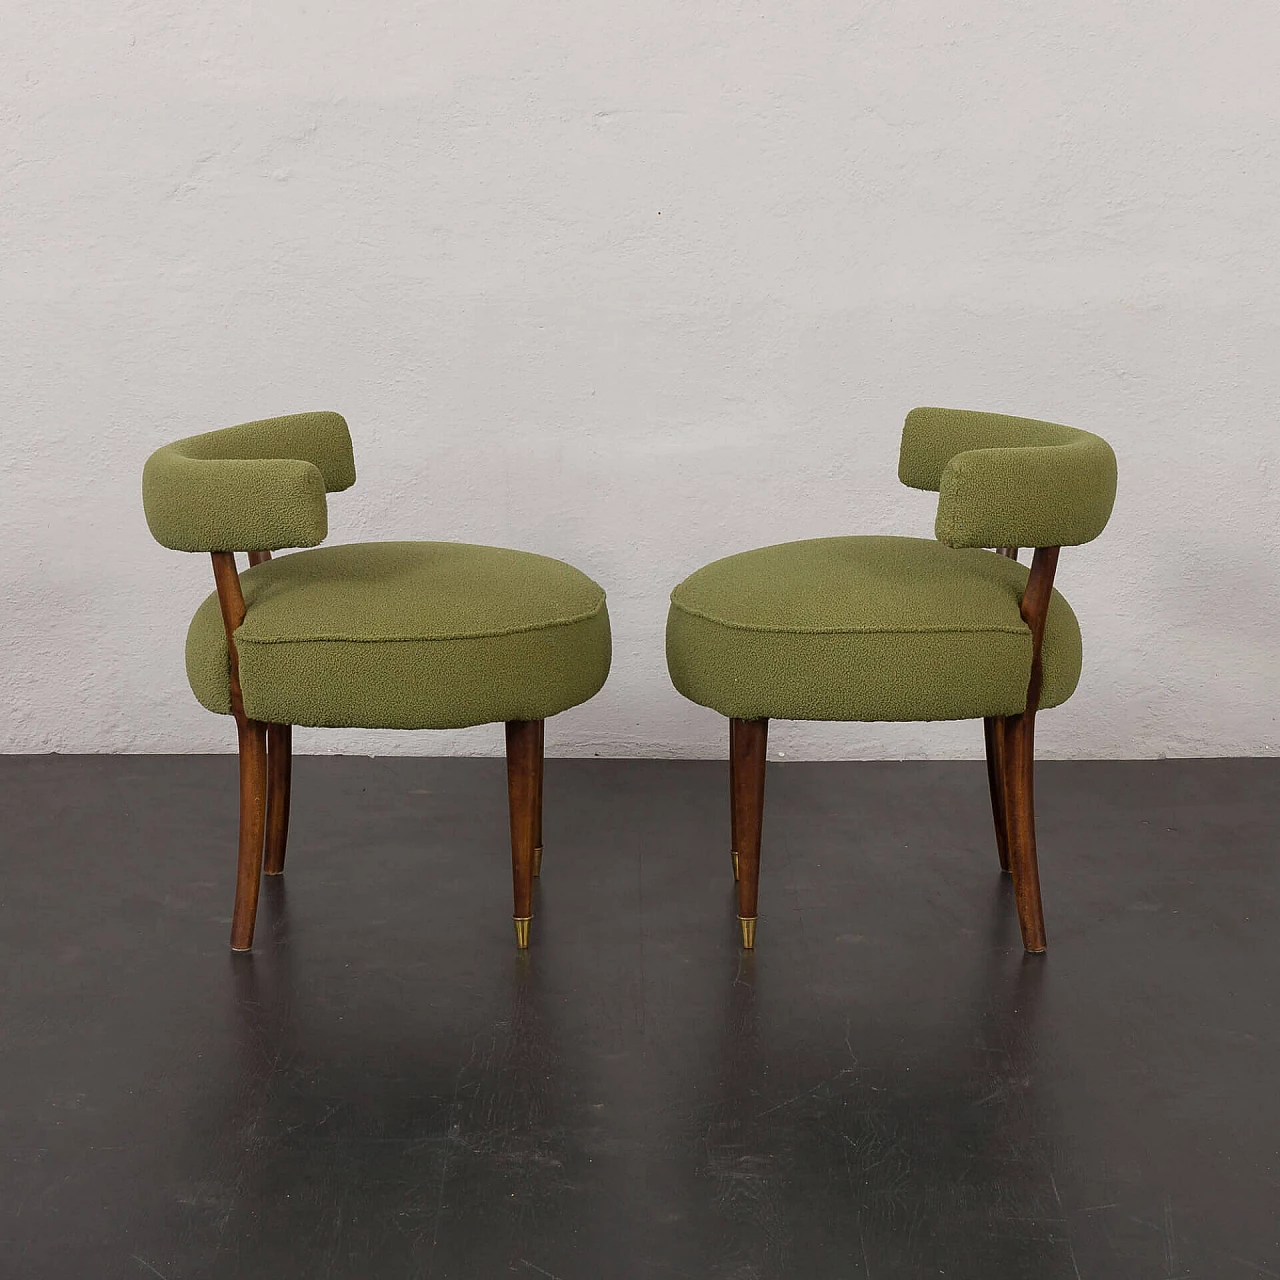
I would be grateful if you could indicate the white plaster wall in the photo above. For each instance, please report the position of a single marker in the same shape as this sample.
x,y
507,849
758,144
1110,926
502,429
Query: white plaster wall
x,y
637,285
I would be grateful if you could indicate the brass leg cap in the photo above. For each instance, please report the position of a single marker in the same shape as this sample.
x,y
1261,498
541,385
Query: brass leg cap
x,y
537,861
734,856
748,927
522,930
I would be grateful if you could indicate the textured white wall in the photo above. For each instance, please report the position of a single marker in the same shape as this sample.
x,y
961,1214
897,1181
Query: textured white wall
x,y
637,285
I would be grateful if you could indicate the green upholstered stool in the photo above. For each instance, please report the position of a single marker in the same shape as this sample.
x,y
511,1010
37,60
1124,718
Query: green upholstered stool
x,y
392,635
879,628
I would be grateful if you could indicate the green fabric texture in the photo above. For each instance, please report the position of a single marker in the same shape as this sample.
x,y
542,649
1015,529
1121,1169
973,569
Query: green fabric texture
x,y
256,487
1008,482
406,635
864,629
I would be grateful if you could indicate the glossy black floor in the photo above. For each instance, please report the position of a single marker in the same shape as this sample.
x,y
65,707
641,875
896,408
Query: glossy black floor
x,y
887,1088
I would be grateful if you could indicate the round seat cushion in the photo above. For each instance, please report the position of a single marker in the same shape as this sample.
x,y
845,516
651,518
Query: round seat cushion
x,y
864,629
406,635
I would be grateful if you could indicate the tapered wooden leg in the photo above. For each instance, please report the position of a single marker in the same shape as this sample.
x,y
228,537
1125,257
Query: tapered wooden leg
x,y
748,742
279,779
733,791
1019,755
524,768
537,822
993,731
253,809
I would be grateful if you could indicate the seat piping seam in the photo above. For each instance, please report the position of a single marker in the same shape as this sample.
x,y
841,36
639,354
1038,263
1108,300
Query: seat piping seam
x,y
1021,629
460,635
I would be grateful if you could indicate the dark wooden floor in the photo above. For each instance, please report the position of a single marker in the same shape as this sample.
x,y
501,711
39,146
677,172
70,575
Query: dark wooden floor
x,y
887,1088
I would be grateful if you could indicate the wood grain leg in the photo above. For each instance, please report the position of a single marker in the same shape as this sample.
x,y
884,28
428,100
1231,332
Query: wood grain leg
x,y
253,811
749,740
524,768
537,822
1019,755
993,732
279,782
733,791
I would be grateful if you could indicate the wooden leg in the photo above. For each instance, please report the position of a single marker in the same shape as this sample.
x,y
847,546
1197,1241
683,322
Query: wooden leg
x,y
524,751
733,791
279,778
537,821
1019,755
253,806
748,741
993,731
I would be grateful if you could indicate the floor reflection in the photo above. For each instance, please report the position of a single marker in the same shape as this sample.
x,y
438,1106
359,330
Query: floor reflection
x,y
407,1128
881,1128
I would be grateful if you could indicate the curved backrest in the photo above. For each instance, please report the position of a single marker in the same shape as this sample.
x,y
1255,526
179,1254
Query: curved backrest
x,y
257,487
1008,482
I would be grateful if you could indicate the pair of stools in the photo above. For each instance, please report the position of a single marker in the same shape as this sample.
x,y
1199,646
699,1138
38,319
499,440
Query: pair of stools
x,y
438,635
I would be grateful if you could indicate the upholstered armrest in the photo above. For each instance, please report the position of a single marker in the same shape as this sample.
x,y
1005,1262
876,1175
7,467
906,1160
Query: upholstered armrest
x,y
256,487
233,504
1009,482
1051,496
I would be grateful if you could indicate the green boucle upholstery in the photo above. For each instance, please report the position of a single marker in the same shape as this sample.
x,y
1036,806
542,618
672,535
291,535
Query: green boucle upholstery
x,y
864,629
406,635
256,487
1008,482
